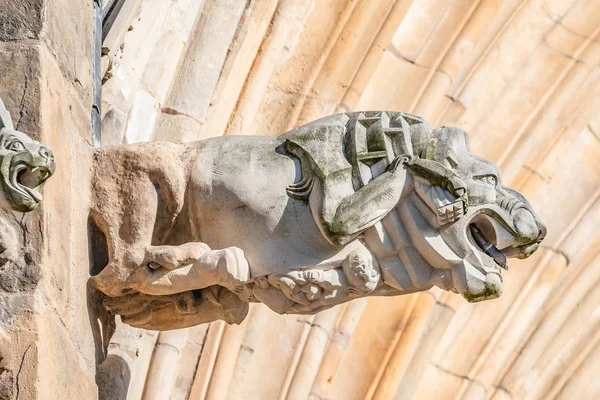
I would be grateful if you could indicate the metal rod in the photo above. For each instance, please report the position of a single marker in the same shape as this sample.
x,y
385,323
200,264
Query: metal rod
x,y
96,112
488,247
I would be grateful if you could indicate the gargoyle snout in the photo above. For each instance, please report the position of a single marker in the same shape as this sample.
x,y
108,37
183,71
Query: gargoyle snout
x,y
47,156
525,222
528,227
46,153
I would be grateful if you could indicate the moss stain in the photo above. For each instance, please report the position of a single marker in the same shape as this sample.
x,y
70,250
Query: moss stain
x,y
489,292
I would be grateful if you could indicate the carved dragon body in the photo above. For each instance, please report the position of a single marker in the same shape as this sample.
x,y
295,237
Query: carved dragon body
x,y
347,206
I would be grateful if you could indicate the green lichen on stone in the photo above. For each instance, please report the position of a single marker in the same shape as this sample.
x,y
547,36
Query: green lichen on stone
x,y
490,291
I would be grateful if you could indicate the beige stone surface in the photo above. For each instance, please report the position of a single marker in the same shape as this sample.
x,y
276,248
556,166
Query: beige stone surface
x,y
47,347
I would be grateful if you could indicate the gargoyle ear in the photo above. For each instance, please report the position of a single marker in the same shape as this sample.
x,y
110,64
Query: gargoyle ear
x,y
449,138
5,120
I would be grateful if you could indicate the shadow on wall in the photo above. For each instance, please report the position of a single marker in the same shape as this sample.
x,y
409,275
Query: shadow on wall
x,y
102,322
112,378
112,373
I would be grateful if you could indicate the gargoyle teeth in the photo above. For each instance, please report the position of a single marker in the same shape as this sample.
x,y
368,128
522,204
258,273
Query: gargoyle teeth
x,y
153,265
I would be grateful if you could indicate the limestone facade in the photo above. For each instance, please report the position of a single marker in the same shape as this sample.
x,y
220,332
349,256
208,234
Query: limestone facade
x,y
521,76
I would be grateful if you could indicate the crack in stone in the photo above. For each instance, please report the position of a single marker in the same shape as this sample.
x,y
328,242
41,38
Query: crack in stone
x,y
594,133
345,107
505,390
569,56
172,111
396,54
459,375
446,306
22,104
536,173
302,95
559,23
24,229
20,370
327,333
247,349
557,251
170,346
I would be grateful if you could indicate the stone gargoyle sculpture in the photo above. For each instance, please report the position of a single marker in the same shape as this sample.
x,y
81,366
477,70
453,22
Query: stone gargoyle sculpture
x,y
351,205
25,165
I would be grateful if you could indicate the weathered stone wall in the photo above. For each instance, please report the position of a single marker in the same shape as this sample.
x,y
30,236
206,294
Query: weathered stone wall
x,y
47,347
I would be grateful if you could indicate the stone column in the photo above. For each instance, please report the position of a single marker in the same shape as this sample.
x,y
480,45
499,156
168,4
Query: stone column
x,y
47,347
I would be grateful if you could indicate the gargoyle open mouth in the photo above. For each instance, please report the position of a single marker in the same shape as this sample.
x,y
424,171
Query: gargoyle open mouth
x,y
501,235
23,176
28,181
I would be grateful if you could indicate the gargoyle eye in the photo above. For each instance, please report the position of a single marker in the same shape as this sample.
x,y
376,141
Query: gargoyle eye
x,y
15,145
488,179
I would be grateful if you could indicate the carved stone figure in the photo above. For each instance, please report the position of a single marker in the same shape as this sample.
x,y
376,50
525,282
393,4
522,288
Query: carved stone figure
x,y
351,205
25,165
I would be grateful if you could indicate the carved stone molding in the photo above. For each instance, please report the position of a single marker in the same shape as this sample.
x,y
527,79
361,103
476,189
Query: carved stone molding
x,y
351,205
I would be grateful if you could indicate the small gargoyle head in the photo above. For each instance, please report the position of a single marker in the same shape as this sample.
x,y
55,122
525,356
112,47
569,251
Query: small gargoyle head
x,y
25,165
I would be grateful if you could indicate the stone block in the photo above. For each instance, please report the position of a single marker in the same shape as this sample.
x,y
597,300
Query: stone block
x,y
133,52
61,24
66,129
68,35
21,257
175,127
386,92
20,19
142,118
114,123
46,86
166,54
48,107
19,73
63,373
18,357
201,68
450,383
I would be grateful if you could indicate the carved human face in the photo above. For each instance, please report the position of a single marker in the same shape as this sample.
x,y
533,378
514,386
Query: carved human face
x,y
24,167
362,271
488,222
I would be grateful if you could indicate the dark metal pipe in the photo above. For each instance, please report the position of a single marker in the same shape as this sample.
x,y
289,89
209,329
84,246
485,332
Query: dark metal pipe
x,y
96,111
488,247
